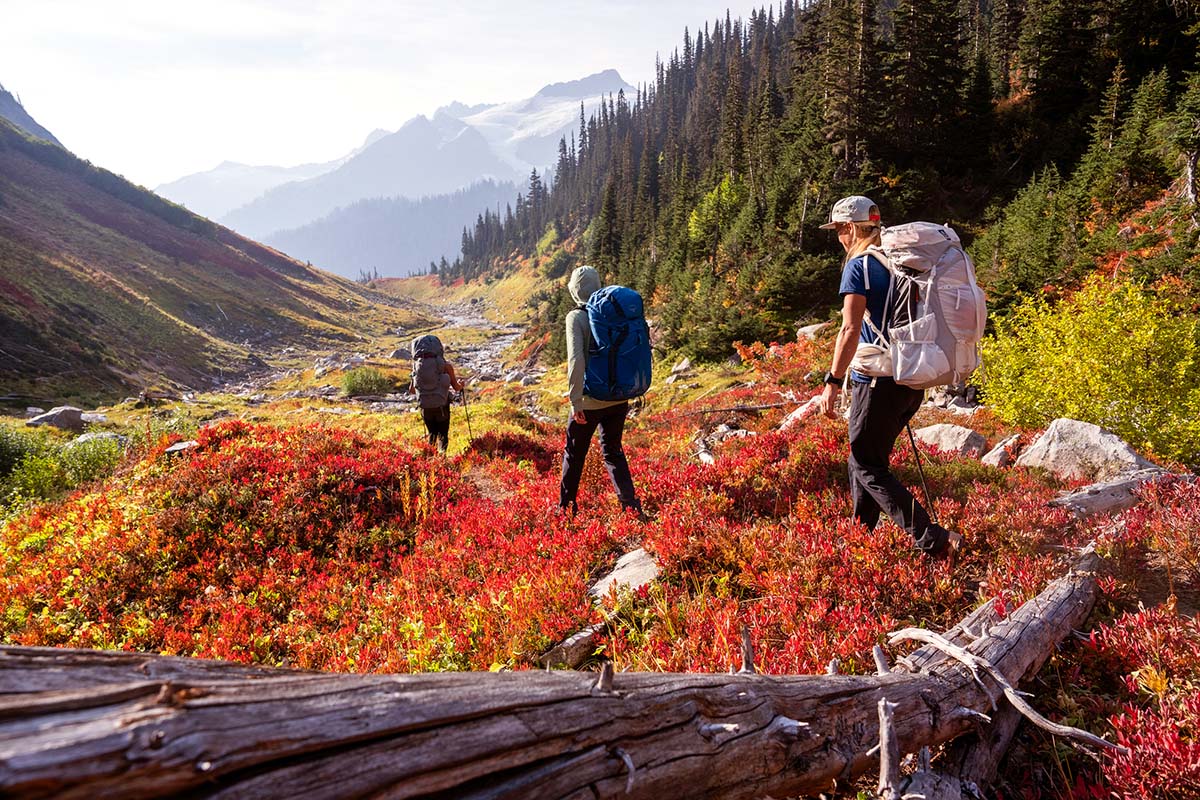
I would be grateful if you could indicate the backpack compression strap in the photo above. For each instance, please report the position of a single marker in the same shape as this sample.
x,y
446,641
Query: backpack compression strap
x,y
882,258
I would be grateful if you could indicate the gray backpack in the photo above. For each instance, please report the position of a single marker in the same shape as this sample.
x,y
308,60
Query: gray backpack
x,y
936,311
429,372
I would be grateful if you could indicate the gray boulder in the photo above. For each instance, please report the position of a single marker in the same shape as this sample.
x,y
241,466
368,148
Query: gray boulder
x,y
401,354
100,436
575,649
810,331
1072,449
180,447
67,418
683,365
802,413
633,571
1107,497
1002,454
952,439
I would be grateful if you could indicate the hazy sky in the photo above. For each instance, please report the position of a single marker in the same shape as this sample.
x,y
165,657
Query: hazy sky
x,y
156,89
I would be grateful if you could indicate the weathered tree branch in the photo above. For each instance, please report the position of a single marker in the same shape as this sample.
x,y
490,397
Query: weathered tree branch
x,y
92,725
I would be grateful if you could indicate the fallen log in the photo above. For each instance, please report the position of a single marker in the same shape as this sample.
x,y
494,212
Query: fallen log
x,y
91,725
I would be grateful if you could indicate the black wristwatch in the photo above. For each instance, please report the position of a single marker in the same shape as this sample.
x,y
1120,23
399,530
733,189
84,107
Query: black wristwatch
x,y
833,380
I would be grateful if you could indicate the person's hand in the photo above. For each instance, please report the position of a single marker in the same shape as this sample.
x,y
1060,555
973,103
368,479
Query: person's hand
x,y
579,417
828,402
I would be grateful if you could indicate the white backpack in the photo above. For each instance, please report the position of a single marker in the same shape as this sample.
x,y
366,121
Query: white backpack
x,y
935,311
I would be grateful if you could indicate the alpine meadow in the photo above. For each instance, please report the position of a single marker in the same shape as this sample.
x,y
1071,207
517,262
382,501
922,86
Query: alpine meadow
x,y
656,486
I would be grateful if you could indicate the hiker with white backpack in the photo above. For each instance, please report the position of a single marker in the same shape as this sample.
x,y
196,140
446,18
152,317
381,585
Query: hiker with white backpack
x,y
432,378
912,318
608,364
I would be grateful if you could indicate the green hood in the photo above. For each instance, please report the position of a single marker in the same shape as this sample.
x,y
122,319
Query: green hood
x,y
585,282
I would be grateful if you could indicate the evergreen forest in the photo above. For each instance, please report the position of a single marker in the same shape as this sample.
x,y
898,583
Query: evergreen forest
x,y
1034,127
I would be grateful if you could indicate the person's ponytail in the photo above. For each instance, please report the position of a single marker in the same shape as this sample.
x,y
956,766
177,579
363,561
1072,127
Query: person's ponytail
x,y
867,235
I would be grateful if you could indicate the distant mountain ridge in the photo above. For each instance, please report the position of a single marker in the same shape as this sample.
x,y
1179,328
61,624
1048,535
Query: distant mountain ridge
x,y
425,157
12,110
457,147
395,236
231,185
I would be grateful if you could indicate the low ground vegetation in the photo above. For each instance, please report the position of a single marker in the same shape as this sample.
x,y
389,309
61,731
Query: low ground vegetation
x,y
338,542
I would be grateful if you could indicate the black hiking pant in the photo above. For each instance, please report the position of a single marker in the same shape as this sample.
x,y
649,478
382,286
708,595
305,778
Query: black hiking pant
x,y
611,422
437,425
877,416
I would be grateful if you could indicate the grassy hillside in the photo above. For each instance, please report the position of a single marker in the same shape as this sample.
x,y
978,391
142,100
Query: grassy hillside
x,y
106,288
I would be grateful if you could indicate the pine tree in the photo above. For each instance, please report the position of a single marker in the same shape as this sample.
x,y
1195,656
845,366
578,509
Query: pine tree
x,y
925,64
849,71
1183,131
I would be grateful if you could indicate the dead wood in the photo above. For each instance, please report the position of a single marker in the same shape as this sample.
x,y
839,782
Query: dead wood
x,y
93,725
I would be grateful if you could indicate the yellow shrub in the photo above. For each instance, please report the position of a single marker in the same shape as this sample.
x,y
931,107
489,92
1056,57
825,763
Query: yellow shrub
x,y
1113,354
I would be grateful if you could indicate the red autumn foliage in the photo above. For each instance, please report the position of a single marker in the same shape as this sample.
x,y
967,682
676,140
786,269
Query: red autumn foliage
x,y
323,548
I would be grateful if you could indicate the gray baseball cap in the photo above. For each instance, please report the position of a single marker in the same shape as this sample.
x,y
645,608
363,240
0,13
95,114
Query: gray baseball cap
x,y
855,208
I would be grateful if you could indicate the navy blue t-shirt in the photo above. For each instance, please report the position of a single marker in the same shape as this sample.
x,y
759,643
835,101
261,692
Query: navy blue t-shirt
x,y
872,284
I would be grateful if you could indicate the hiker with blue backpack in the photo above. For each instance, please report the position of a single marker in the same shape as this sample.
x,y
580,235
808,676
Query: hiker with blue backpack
x,y
608,364
432,378
912,318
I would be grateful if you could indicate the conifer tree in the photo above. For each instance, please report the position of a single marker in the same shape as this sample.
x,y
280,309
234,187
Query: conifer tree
x,y
1183,130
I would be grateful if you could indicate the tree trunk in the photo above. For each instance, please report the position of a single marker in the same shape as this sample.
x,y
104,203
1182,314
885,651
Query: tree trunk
x,y
1189,177
82,724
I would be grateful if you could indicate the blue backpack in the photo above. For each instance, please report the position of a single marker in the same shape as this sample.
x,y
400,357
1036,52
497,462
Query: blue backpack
x,y
619,361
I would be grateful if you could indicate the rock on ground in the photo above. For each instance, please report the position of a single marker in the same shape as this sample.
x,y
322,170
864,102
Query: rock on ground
x,y
808,409
952,439
102,436
810,331
66,417
633,571
401,354
1072,449
1002,454
575,649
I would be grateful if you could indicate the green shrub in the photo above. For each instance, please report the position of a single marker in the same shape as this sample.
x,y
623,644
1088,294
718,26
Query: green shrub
x,y
15,445
366,380
38,476
1113,354
88,461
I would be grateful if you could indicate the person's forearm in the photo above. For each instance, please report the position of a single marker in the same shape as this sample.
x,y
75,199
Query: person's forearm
x,y
843,350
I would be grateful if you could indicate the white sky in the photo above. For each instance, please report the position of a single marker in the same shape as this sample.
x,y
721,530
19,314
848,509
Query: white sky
x,y
156,89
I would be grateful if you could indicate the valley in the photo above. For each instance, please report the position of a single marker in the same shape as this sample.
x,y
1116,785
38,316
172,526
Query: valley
x,y
228,553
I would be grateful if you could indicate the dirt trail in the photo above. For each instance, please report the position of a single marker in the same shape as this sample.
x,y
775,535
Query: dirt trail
x,y
484,360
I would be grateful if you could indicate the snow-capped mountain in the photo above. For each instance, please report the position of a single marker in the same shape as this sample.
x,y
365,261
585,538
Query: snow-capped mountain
x,y
425,157
456,148
231,185
525,133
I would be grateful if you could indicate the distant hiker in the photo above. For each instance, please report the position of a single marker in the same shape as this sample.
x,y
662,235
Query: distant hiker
x,y
432,379
608,363
880,408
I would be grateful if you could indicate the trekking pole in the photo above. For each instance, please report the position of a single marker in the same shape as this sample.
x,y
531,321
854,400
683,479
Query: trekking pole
x,y
467,413
921,472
